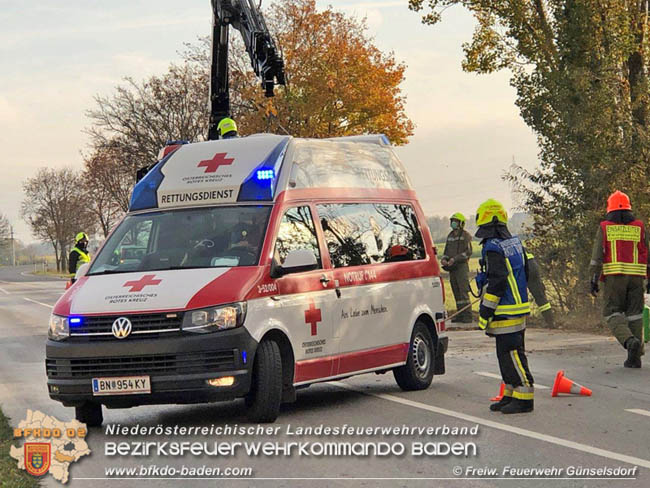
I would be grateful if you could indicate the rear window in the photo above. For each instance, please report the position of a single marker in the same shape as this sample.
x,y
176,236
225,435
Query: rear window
x,y
370,233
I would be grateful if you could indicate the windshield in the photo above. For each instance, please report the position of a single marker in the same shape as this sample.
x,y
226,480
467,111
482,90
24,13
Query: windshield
x,y
183,239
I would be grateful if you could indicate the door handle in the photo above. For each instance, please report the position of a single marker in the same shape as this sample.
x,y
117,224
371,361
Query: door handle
x,y
324,280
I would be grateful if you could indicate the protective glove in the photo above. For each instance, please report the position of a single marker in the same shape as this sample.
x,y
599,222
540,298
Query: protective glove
x,y
594,285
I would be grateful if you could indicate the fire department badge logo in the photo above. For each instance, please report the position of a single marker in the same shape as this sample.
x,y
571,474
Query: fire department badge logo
x,y
50,446
37,457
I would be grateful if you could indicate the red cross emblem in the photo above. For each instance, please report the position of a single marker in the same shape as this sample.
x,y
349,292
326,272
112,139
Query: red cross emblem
x,y
313,316
138,285
219,159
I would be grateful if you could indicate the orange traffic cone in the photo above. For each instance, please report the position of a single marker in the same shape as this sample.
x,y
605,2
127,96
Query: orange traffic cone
x,y
500,395
565,385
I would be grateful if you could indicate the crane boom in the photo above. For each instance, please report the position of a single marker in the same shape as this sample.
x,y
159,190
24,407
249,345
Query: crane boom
x,y
265,59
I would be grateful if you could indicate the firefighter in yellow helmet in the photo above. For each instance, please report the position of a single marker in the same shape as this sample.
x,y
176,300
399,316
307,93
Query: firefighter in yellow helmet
x,y
620,258
458,250
227,128
79,254
504,306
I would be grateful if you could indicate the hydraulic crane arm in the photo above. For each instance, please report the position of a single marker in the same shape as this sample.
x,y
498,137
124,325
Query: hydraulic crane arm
x,y
267,63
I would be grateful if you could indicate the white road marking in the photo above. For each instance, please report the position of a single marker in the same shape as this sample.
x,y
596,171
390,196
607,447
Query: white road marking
x,y
5,291
640,411
39,303
498,377
505,427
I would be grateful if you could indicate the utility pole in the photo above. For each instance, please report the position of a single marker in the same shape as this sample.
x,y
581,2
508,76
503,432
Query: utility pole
x,y
13,248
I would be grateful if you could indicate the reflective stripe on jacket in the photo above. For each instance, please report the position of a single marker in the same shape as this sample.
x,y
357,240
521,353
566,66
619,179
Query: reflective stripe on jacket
x,y
625,252
508,311
84,257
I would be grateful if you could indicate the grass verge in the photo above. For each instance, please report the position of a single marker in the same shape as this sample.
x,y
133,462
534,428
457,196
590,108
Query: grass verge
x,y
10,475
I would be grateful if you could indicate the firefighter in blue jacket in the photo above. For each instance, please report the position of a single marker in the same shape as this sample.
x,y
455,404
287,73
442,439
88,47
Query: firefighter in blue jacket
x,y
505,305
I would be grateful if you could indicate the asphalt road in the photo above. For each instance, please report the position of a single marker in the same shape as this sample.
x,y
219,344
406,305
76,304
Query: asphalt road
x,y
609,429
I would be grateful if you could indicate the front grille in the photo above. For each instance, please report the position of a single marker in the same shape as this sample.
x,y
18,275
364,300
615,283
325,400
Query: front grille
x,y
155,364
143,325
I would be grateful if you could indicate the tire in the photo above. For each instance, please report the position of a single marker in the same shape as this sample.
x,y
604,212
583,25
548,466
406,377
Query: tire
x,y
89,414
417,373
264,399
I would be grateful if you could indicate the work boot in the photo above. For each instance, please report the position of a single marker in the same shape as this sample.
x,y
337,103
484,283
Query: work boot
x,y
518,406
496,407
633,346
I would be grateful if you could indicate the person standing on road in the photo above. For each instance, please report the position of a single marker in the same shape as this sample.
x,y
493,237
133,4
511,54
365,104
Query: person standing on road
x,y
458,250
504,305
79,254
620,259
538,290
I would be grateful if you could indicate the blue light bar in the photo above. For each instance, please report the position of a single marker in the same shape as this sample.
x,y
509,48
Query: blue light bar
x,y
260,183
265,174
243,357
74,320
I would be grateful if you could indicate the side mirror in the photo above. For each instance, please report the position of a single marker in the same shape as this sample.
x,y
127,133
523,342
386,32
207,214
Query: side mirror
x,y
83,269
297,261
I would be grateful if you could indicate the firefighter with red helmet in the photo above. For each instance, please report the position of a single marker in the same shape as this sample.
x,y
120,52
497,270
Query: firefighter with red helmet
x,y
620,260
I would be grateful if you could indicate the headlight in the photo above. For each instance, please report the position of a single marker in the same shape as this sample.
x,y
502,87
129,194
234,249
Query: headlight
x,y
58,329
214,319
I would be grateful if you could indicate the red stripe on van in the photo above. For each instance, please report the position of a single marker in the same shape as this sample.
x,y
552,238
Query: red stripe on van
x,y
314,369
63,304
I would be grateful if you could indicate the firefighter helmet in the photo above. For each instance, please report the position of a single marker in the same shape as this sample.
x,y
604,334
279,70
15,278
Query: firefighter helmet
x,y
458,216
80,236
490,210
618,201
226,126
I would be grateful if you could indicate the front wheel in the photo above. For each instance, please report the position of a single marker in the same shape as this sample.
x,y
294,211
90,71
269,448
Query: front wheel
x,y
417,373
264,399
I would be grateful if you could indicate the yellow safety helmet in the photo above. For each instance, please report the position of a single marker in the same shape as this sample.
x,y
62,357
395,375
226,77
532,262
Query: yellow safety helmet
x,y
458,216
80,236
226,126
490,210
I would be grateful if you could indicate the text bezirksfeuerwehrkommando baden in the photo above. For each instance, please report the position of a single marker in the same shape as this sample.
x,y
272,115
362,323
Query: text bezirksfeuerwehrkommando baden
x,y
288,430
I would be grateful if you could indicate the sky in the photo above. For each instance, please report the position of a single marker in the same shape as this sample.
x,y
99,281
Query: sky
x,y
56,56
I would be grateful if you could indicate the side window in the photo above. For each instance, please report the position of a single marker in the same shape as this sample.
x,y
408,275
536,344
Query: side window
x,y
346,228
405,242
297,231
367,233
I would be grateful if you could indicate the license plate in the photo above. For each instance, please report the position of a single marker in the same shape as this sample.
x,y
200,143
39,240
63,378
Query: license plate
x,y
121,385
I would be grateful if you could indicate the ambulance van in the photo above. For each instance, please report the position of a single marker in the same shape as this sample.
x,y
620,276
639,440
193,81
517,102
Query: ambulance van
x,y
264,264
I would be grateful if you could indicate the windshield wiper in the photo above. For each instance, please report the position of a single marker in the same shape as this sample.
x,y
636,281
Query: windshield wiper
x,y
108,271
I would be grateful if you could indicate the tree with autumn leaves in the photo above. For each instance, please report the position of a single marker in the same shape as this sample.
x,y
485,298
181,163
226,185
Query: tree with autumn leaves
x,y
580,70
339,83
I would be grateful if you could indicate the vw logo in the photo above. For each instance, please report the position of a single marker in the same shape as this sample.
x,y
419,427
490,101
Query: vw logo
x,y
121,327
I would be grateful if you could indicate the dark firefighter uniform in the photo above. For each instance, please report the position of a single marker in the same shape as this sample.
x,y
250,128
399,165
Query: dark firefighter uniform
x,y
505,305
458,251
538,290
620,259
79,254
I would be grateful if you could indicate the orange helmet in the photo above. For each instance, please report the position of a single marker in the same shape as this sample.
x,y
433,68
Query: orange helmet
x,y
618,201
